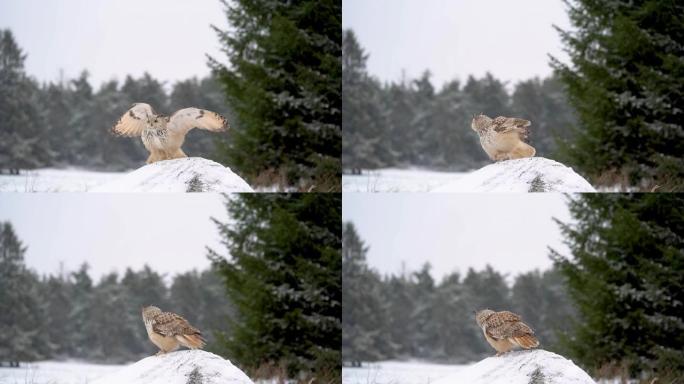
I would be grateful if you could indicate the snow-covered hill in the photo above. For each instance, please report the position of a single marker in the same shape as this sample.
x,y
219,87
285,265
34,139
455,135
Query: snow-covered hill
x,y
521,367
191,174
533,174
181,367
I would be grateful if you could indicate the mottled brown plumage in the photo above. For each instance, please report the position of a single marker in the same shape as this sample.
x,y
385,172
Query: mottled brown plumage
x,y
168,330
503,138
505,330
162,135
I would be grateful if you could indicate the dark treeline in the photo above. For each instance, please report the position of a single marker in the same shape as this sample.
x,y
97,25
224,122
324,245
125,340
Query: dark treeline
x,y
67,123
410,123
69,315
414,316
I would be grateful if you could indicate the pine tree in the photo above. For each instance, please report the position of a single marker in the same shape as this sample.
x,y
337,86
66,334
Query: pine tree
x,y
542,300
283,277
22,336
80,327
362,142
545,104
399,327
487,95
283,83
201,298
364,336
422,316
423,121
626,83
143,288
455,343
625,275
115,153
84,135
56,290
23,143
109,298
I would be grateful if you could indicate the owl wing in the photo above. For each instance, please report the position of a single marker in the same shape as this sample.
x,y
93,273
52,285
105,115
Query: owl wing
x,y
186,119
511,124
505,324
134,120
171,324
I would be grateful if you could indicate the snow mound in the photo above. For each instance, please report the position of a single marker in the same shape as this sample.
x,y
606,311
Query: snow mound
x,y
182,367
521,367
532,174
190,174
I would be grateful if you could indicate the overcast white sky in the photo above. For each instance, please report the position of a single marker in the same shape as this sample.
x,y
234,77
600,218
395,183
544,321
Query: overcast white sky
x,y
113,38
457,38
511,232
114,231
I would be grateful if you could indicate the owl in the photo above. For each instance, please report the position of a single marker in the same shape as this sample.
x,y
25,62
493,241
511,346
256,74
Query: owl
x,y
162,135
503,138
505,330
168,331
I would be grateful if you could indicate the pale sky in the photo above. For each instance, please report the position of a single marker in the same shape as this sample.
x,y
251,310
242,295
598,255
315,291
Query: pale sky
x,y
457,38
113,38
114,231
511,232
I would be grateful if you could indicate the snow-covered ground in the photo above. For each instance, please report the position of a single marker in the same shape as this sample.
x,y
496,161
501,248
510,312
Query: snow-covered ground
x,y
397,372
179,367
535,174
521,367
64,372
155,177
56,180
189,174
398,180
412,372
55,372
531,174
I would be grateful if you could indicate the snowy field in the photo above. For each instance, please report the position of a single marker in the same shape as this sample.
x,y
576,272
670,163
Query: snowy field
x,y
57,372
53,372
67,180
398,180
55,180
395,372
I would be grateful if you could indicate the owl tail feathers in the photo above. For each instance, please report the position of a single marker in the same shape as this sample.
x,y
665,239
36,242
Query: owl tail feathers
x,y
527,341
193,341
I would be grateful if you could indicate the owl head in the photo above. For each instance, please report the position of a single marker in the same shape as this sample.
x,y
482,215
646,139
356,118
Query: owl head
x,y
481,316
150,312
480,123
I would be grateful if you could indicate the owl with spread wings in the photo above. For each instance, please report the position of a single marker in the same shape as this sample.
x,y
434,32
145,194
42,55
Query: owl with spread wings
x,y
162,135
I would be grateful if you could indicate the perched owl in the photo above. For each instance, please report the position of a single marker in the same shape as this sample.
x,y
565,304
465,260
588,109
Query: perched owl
x,y
505,330
168,330
164,135
503,138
